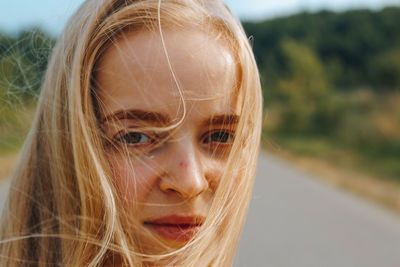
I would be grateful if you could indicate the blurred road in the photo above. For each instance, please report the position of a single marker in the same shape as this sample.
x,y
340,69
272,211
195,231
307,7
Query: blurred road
x,y
297,221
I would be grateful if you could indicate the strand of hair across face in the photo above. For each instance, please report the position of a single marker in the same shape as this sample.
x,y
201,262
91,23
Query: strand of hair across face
x,y
170,65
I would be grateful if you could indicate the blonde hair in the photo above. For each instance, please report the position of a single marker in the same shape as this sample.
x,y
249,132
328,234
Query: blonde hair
x,y
62,207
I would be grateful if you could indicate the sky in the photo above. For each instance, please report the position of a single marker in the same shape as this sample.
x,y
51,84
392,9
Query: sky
x,y
53,14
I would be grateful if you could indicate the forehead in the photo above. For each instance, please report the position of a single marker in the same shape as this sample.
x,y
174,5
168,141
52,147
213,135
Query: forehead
x,y
145,70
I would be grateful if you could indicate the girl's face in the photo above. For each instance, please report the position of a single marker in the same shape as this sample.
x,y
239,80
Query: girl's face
x,y
167,179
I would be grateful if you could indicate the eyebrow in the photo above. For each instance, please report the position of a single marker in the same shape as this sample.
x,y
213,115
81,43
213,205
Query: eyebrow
x,y
222,119
156,117
138,114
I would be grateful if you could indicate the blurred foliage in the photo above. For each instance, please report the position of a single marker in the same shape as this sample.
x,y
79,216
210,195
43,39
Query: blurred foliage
x,y
331,85
303,92
353,46
23,61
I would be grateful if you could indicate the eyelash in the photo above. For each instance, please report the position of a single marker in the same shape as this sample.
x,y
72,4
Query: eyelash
x,y
124,138
135,135
223,134
213,140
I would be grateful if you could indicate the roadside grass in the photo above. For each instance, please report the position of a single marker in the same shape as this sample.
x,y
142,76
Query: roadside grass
x,y
14,126
381,165
375,178
15,121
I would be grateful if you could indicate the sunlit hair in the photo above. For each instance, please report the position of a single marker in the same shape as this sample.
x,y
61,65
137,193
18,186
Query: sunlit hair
x,y
63,207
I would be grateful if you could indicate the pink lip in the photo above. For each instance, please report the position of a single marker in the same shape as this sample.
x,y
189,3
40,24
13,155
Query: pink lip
x,y
175,227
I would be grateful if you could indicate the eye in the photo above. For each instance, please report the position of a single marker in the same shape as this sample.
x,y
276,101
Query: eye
x,y
134,138
221,137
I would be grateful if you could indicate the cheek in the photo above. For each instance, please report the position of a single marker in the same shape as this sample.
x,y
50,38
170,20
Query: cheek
x,y
215,173
134,178
235,180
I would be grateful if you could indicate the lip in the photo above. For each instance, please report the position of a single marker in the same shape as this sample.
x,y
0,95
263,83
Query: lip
x,y
176,227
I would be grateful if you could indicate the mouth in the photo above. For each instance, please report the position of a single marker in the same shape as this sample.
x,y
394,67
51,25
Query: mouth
x,y
175,227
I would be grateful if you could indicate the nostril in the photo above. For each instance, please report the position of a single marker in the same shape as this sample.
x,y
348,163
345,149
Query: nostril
x,y
171,190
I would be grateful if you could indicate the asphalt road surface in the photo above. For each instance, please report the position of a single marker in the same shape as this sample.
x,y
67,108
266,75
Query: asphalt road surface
x,y
298,221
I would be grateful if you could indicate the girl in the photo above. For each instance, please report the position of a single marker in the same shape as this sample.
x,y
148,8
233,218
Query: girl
x,y
144,144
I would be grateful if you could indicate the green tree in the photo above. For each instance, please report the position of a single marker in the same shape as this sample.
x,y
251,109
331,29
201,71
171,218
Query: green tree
x,y
385,70
305,106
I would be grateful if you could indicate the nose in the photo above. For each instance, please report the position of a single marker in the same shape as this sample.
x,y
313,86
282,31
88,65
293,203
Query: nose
x,y
184,173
